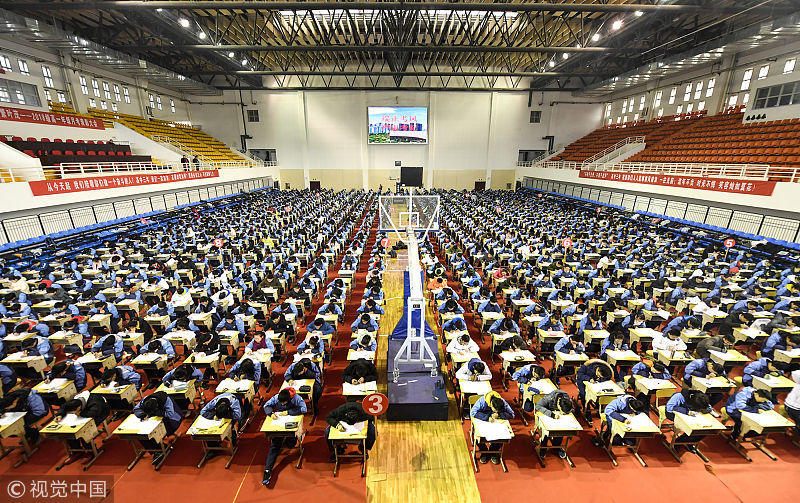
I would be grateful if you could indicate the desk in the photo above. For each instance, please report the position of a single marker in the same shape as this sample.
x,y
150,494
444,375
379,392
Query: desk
x,y
286,427
150,362
353,354
119,397
763,424
673,358
92,362
512,360
152,429
213,435
564,427
204,361
717,384
185,338
623,358
660,388
157,321
773,384
20,361
642,337
641,427
63,338
787,356
730,358
71,428
308,396
700,425
100,320
359,391
467,388
496,432
186,392
203,319
56,391
343,438
602,393
12,424
594,336
568,360
749,335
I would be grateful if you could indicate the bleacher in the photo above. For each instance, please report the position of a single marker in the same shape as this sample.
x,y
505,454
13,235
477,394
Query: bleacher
x,y
57,151
655,131
723,139
195,141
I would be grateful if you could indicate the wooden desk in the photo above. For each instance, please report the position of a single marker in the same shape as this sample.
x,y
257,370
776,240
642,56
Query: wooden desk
x,y
708,385
56,391
729,359
641,427
700,425
338,438
134,431
787,356
642,337
659,388
63,338
774,384
479,431
602,393
71,428
91,361
564,427
33,362
286,427
512,360
122,394
12,425
215,436
763,424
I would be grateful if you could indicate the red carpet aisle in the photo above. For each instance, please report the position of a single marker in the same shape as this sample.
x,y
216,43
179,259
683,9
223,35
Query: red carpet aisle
x,y
241,483
729,477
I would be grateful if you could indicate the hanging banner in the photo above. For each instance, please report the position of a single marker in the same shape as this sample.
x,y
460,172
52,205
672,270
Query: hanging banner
x,y
67,185
733,185
38,117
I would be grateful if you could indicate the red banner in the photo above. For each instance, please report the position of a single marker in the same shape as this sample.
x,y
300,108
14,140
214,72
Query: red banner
x,y
736,186
37,117
66,185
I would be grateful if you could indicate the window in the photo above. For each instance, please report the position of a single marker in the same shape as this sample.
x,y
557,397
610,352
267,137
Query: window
x,y
788,67
47,95
172,105
687,93
689,108
48,76
610,121
635,117
113,106
657,101
748,74
103,105
672,94
152,101
778,95
23,67
619,119
710,89
535,118
127,94
624,106
158,102
62,98
679,110
732,101
641,102
106,90
95,88
701,106
116,93
5,64
763,72
608,109
252,115
84,88
745,98
624,118
92,103
698,90
19,93
660,112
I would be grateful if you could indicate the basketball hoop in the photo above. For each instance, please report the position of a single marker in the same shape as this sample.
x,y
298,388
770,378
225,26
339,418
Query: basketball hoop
x,y
399,214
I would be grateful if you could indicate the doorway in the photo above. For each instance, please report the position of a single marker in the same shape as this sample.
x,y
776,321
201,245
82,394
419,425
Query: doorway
x,y
480,185
314,185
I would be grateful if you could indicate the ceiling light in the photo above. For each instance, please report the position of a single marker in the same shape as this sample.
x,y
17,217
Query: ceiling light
x,y
616,25
183,22
230,54
244,62
638,13
552,63
578,46
595,37
202,35
159,10
565,55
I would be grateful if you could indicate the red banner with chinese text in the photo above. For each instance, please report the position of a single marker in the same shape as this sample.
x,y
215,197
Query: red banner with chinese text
x,y
733,185
37,117
67,185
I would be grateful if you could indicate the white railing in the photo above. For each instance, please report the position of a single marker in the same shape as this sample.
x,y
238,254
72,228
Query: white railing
x,y
248,155
742,171
612,148
72,170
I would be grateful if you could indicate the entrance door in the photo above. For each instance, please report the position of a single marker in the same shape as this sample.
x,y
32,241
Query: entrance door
x,y
480,185
314,185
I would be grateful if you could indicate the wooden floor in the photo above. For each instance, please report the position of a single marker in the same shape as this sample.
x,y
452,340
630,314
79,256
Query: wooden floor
x,y
416,460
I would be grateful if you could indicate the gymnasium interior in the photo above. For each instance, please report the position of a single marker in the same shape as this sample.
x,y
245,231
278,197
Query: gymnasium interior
x,y
389,251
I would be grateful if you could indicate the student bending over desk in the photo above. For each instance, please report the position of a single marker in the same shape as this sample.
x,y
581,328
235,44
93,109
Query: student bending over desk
x,y
490,407
28,401
554,404
349,413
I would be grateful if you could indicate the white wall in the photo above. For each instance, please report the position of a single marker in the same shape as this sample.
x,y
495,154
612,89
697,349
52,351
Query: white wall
x,y
477,133
142,145
34,130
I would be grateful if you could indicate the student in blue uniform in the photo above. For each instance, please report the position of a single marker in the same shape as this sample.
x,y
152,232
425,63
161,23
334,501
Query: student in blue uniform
x,y
305,369
70,370
747,399
690,402
490,407
28,401
285,402
617,410
760,368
